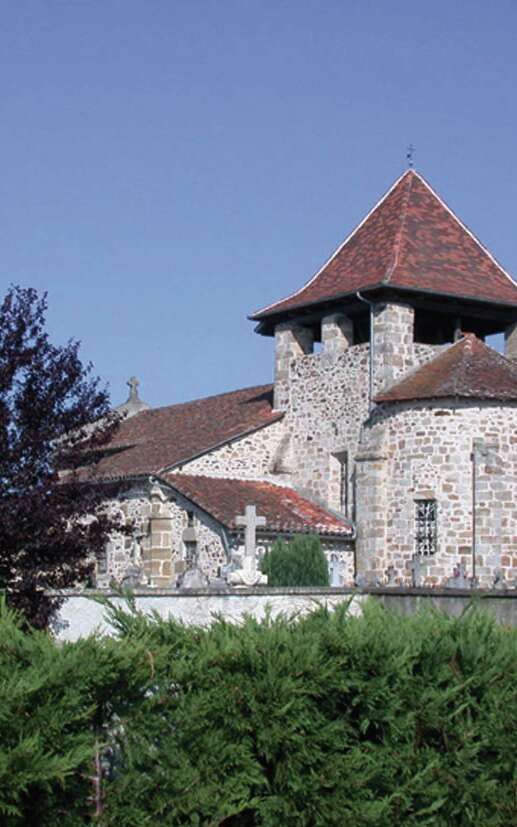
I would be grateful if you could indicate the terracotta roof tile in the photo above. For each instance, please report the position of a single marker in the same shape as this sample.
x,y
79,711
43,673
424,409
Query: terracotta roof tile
x,y
161,438
283,508
410,240
467,369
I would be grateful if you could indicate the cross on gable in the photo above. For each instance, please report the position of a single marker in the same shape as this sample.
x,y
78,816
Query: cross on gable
x,y
133,384
251,522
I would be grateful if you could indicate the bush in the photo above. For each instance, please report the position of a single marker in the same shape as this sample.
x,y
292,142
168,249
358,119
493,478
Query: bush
x,y
300,562
372,721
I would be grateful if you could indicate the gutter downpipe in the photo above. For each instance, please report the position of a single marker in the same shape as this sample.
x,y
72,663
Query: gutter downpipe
x,y
372,352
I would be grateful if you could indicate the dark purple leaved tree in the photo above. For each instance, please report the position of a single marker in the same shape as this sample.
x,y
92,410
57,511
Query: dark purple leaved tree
x,y
51,523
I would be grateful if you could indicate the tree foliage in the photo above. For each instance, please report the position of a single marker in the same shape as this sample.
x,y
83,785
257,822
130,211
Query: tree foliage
x,y
370,721
51,526
299,562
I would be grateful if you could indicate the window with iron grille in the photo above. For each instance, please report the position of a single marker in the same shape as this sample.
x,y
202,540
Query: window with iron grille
x,y
426,527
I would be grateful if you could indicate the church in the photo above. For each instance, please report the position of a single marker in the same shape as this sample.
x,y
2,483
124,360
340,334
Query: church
x,y
390,429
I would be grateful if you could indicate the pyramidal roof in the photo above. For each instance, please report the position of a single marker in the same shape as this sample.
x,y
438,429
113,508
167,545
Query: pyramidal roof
x,y
467,369
410,240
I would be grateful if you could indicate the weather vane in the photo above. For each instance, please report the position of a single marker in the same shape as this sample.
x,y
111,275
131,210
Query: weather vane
x,y
409,155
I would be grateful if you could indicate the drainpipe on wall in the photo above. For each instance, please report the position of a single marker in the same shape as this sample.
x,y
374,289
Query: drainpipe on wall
x,y
371,305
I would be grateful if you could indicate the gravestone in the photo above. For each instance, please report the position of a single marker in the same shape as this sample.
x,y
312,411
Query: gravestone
x,y
499,582
133,576
193,578
415,567
390,576
336,571
459,579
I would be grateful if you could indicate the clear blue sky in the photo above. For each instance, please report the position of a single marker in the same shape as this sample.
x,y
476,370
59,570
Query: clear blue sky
x,y
169,166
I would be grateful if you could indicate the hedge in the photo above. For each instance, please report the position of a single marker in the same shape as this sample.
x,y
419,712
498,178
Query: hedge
x,y
329,719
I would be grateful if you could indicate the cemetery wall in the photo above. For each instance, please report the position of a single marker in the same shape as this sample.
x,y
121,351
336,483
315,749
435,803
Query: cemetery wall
x,y
81,615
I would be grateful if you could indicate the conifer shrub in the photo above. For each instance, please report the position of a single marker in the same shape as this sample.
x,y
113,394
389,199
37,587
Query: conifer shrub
x,y
299,562
330,719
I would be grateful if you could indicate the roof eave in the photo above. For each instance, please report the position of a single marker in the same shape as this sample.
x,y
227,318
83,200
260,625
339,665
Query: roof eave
x,y
380,400
272,313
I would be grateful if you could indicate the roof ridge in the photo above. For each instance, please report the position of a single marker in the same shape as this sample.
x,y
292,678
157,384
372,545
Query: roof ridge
x,y
464,227
181,474
338,249
398,238
269,385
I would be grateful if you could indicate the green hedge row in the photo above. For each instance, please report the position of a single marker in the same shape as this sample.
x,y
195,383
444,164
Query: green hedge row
x,y
367,721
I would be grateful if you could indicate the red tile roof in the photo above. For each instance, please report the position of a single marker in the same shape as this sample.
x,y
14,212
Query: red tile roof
x,y
410,240
283,508
161,438
467,369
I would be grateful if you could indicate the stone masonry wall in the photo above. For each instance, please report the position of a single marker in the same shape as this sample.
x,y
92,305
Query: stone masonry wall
x,y
328,396
160,517
424,450
256,456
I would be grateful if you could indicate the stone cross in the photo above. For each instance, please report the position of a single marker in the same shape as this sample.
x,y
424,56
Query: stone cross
x,y
251,523
133,384
249,575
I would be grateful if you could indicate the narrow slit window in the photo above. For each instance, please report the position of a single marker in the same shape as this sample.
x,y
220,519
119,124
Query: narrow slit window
x,y
426,527
102,561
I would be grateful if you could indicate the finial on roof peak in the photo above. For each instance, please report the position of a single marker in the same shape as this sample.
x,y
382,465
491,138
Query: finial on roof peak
x,y
409,156
133,404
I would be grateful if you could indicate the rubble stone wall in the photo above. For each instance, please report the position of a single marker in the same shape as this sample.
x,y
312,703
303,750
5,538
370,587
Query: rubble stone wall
x,y
329,401
159,518
251,457
424,450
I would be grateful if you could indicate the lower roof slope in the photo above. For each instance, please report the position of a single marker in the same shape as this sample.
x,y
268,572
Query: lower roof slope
x,y
161,438
467,369
284,509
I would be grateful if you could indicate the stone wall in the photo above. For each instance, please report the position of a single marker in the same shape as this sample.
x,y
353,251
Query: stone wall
x,y
160,518
81,615
252,457
328,401
424,451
